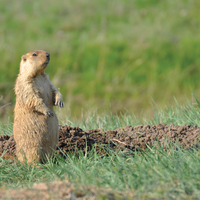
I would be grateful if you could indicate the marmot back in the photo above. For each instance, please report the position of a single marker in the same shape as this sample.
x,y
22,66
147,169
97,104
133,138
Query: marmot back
x,y
35,123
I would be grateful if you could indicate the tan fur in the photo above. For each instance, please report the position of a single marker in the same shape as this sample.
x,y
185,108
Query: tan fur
x,y
35,123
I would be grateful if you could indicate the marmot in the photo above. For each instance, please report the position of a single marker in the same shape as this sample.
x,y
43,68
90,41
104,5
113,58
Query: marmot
x,y
35,128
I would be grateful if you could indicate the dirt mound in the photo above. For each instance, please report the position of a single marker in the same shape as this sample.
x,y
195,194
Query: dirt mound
x,y
7,143
75,139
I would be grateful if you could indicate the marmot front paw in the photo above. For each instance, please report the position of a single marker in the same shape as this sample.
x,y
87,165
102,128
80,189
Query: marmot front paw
x,y
59,103
49,114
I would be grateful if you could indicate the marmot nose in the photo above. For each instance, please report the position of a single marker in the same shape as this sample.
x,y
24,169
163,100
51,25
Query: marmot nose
x,y
48,55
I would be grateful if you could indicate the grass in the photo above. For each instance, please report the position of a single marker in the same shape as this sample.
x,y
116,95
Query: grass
x,y
189,112
110,55
177,114
152,174
117,53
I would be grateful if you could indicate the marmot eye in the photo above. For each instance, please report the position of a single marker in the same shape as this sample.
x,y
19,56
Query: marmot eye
x,y
34,54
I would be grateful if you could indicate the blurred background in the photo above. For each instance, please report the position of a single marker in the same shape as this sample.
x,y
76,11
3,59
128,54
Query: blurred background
x,y
112,55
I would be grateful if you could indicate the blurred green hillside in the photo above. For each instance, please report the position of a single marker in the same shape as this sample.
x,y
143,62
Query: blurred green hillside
x,y
105,54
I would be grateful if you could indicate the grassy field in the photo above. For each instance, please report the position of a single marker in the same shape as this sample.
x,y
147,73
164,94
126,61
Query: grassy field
x,y
110,59
151,174
154,174
105,54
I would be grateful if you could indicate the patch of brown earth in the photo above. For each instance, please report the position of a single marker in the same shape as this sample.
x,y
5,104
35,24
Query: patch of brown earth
x,y
62,190
75,139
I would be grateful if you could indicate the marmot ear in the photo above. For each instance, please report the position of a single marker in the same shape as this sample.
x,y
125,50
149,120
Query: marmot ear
x,y
24,58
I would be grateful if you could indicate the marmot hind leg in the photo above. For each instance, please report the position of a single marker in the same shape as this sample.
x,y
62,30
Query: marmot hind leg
x,y
32,155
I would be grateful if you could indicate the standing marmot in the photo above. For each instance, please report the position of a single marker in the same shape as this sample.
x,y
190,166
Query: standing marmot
x,y
35,129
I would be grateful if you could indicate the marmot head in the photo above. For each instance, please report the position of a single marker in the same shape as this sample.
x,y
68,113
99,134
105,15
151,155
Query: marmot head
x,y
34,63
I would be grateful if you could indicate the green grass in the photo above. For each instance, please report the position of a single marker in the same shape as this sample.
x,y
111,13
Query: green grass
x,y
110,55
117,53
152,174
188,113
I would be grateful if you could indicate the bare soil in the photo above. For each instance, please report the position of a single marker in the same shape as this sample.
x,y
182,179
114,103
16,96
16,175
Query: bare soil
x,y
74,139
63,190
